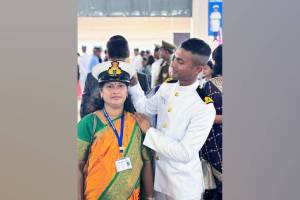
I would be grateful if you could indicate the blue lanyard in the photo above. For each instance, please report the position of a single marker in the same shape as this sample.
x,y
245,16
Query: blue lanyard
x,y
120,139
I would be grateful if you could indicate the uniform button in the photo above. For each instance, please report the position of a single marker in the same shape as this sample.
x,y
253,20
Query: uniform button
x,y
169,109
164,125
176,94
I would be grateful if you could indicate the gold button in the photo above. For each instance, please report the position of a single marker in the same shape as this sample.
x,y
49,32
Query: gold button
x,y
164,125
176,94
169,109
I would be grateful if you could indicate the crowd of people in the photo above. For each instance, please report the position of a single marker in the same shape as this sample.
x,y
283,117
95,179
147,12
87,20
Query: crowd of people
x,y
150,127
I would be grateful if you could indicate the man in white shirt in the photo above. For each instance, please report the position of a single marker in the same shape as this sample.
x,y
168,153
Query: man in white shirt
x,y
185,116
83,62
137,60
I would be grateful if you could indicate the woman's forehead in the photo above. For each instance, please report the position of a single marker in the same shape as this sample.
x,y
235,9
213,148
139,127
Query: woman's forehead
x,y
114,83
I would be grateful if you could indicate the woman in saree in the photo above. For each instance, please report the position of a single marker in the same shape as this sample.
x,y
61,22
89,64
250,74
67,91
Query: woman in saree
x,y
110,151
212,148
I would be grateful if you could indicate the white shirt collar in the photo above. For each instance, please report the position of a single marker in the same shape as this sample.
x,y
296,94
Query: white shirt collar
x,y
191,87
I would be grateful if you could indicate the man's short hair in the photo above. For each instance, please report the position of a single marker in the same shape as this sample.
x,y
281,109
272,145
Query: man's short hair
x,y
199,48
117,47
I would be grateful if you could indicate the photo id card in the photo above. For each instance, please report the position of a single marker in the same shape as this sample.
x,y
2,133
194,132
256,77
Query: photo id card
x,y
123,164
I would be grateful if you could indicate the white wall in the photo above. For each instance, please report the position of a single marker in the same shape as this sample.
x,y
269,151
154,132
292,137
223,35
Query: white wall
x,y
143,32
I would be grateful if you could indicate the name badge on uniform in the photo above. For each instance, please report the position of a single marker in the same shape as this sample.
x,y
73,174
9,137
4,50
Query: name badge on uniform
x,y
123,164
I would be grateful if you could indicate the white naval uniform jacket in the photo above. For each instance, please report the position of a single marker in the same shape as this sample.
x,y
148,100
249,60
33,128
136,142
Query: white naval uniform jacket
x,y
183,124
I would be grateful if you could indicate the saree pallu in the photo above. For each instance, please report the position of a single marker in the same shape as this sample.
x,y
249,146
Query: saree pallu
x,y
102,180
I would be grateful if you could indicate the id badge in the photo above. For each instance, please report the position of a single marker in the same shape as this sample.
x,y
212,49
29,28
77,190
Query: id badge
x,y
123,164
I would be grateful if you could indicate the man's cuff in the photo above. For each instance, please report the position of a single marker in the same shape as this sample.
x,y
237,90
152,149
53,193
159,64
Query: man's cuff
x,y
149,138
135,91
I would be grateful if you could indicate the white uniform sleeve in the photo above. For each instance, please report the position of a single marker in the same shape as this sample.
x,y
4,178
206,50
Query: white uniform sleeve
x,y
142,104
189,146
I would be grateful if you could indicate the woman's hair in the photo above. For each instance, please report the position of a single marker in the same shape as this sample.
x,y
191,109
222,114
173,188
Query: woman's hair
x,y
210,64
217,56
128,105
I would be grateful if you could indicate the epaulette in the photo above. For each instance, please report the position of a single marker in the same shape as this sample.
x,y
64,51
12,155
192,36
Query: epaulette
x,y
205,98
170,80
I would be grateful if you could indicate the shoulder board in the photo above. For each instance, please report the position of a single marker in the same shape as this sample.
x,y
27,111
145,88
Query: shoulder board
x,y
170,80
205,98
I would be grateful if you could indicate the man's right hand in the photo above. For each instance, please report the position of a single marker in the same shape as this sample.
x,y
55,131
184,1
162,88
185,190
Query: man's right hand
x,y
134,80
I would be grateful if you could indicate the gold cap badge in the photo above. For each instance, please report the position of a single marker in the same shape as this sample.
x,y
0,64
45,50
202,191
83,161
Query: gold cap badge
x,y
114,70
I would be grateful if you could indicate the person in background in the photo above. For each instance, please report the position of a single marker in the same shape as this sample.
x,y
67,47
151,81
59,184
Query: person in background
x,y
105,56
208,71
137,60
96,58
148,65
147,69
148,53
166,51
211,151
83,62
155,67
157,52
206,74
143,53
83,49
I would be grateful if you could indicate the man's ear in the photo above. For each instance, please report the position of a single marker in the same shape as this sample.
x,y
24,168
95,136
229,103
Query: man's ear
x,y
199,68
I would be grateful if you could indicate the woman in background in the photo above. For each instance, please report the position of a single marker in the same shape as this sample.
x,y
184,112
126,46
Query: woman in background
x,y
212,149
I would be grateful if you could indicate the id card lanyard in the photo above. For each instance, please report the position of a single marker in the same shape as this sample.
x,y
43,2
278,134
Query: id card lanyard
x,y
119,137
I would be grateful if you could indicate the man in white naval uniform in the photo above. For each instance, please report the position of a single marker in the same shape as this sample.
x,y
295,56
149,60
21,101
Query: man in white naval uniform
x,y
185,117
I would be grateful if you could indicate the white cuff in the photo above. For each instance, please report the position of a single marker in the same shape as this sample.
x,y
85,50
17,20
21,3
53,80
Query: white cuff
x,y
134,90
148,140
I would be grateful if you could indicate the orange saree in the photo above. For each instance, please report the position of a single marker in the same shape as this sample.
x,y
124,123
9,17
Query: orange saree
x,y
102,180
